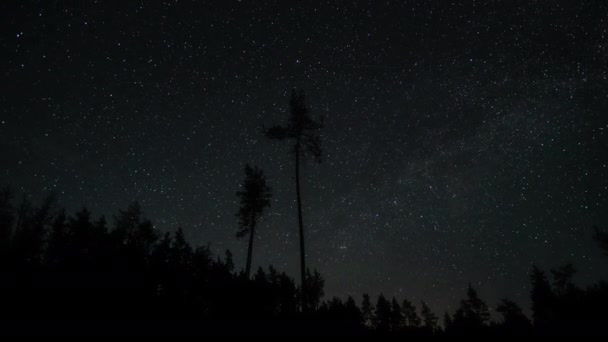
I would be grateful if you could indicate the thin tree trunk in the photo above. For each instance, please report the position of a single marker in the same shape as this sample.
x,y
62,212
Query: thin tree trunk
x,y
302,251
249,251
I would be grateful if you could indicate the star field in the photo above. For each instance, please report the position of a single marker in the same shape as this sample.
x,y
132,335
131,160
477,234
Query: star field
x,y
463,141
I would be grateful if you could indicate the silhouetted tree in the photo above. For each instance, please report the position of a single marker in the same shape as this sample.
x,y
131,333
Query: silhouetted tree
x,y
31,229
181,251
396,315
514,322
367,310
334,306
136,233
229,261
179,283
543,299
7,218
254,198
200,299
429,319
126,222
160,263
409,314
82,239
301,129
340,317
286,293
570,312
353,313
472,315
448,323
382,315
58,241
563,279
313,292
260,277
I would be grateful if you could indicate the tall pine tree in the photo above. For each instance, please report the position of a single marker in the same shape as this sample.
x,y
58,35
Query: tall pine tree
x,y
301,129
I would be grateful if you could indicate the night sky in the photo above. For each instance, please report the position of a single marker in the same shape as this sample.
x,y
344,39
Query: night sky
x,y
463,141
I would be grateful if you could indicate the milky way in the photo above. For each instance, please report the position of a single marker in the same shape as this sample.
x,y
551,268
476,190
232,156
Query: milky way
x,y
463,142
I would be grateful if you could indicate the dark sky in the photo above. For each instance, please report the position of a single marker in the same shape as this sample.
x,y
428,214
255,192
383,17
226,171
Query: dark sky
x,y
463,141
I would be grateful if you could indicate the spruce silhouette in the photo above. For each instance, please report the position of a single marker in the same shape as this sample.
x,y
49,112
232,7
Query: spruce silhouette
x,y
255,197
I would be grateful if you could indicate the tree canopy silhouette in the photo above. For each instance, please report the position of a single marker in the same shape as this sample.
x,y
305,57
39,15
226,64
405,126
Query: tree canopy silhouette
x,y
129,275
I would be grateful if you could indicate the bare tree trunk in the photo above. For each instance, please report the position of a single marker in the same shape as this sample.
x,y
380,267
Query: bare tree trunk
x,y
249,251
301,224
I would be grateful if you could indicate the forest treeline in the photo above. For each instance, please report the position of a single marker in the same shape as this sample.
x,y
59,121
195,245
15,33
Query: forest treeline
x,y
79,273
